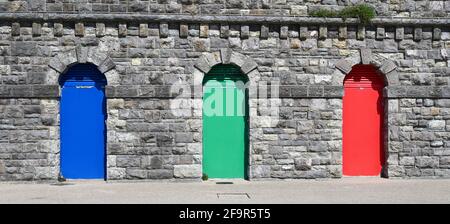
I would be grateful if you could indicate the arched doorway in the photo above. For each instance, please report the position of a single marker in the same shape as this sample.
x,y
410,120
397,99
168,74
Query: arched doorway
x,y
225,123
83,128
363,116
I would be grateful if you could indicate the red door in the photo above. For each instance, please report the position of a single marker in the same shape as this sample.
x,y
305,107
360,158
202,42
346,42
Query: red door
x,y
363,153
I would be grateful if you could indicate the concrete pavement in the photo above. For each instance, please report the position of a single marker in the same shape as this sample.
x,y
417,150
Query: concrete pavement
x,y
346,190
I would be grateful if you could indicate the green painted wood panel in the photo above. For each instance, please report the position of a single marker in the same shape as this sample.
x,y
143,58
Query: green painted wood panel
x,y
225,123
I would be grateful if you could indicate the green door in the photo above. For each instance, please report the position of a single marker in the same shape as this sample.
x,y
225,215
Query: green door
x,y
225,123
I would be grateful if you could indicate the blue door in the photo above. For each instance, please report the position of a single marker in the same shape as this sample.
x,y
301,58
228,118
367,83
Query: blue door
x,y
83,128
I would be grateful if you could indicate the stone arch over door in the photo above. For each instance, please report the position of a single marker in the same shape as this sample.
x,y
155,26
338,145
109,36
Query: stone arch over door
x,y
248,68
225,56
81,55
64,60
365,56
388,69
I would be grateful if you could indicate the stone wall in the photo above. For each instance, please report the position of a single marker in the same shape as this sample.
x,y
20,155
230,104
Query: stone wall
x,y
146,141
400,8
29,139
419,137
144,58
306,142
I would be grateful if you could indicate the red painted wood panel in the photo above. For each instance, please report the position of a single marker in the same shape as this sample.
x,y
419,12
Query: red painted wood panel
x,y
363,153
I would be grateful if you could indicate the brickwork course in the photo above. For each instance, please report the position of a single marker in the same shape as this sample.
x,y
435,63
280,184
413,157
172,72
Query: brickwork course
x,y
145,48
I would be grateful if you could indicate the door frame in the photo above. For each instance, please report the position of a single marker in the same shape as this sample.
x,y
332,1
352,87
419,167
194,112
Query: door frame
x,y
103,82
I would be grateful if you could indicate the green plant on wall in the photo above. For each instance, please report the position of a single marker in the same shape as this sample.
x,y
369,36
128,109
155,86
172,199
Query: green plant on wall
x,y
364,12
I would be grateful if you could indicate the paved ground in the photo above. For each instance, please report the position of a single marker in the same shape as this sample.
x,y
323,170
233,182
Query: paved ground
x,y
346,190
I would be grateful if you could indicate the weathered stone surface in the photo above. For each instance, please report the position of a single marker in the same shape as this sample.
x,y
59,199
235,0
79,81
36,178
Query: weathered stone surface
x,y
164,30
184,30
343,32
106,65
58,29
361,33
387,66
100,30
204,31
303,33
399,33
436,125
303,164
79,29
284,31
437,33
143,30
24,49
123,30
187,171
264,32
366,56
37,29
245,32
323,32
344,66
381,34
82,54
224,31
418,34
15,29
155,128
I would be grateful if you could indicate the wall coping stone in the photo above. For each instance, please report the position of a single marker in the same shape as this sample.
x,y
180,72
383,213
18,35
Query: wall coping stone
x,y
206,19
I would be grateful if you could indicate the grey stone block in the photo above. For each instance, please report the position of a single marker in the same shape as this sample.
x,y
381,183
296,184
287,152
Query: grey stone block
x,y
344,66
225,54
187,171
160,174
203,65
387,66
224,31
136,174
82,54
245,31
264,32
100,30
343,32
79,29
184,30
58,29
248,66
45,91
437,33
418,34
303,164
303,33
323,32
366,56
15,29
57,65
381,34
204,31
333,91
399,33
143,30
299,91
164,30
107,65
37,29
361,33
123,30
284,31
238,59
24,49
